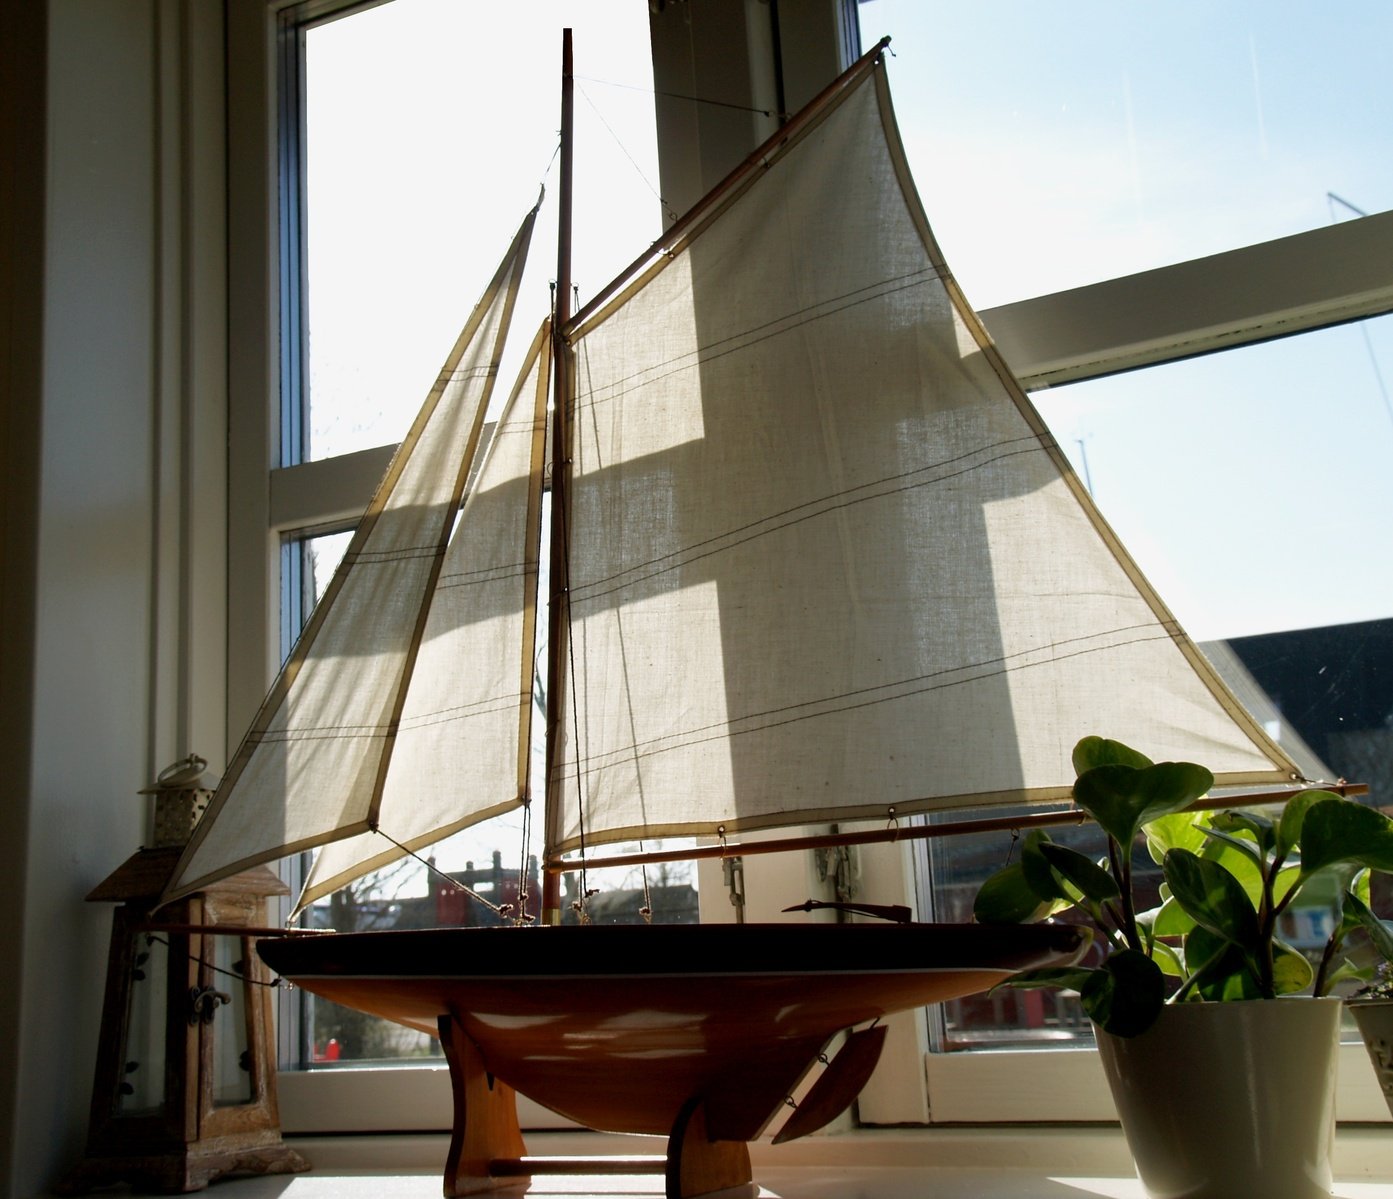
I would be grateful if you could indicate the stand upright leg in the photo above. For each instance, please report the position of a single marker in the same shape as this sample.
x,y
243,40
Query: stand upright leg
x,y
485,1118
697,1165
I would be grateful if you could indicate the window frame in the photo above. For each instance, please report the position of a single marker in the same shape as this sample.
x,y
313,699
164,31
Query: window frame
x,y
1244,296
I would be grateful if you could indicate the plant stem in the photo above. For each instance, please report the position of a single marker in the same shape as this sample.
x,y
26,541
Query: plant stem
x,y
1199,970
1122,867
1267,927
1327,956
1109,922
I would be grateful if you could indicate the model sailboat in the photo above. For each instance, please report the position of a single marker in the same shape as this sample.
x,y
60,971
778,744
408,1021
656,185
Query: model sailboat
x,y
814,559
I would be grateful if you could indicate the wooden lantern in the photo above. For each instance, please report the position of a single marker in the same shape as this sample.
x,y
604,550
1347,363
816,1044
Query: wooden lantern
x,y
185,1087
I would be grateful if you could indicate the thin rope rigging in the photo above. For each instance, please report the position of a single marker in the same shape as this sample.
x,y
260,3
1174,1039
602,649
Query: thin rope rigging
x,y
524,878
668,210
503,910
153,939
649,91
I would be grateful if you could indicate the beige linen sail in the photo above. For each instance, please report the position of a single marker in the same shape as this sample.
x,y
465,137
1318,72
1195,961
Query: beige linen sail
x,y
313,768
468,712
822,562
825,560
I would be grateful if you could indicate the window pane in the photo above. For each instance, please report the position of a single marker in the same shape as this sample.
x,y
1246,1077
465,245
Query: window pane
x,y
1056,144
475,877
1252,488
430,126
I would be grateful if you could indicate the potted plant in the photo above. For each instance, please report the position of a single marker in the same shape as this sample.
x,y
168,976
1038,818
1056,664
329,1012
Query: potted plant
x,y
1372,1007
1223,1080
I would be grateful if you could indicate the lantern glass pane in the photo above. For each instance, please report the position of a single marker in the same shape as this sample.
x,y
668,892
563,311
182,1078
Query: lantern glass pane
x,y
141,1089
232,1078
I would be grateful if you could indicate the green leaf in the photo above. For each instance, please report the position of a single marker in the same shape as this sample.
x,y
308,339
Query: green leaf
x,y
1291,971
1098,751
1285,881
1061,978
1123,798
1125,996
1357,911
1213,898
1037,870
1340,830
1168,959
1350,915
1361,886
1348,971
1172,920
1222,972
1243,845
1238,863
1261,829
1235,985
1294,815
1006,897
1179,830
1092,880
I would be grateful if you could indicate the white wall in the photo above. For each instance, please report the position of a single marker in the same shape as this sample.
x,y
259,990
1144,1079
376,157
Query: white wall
x,y
128,576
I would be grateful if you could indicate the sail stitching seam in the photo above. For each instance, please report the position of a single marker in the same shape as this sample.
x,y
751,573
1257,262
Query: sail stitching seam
x,y
368,731
824,505
756,334
770,719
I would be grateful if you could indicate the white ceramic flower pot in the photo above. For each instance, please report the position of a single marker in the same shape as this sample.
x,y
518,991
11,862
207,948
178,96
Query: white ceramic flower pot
x,y
1230,1100
1375,1020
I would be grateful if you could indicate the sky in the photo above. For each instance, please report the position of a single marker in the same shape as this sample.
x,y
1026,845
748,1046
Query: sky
x,y
1054,143
432,127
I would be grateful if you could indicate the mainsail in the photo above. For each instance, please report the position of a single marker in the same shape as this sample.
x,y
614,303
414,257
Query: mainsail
x,y
823,561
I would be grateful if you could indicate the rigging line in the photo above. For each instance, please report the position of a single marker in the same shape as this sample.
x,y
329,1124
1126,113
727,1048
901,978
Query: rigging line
x,y
434,869
1378,374
153,939
524,878
668,210
649,91
1332,199
551,162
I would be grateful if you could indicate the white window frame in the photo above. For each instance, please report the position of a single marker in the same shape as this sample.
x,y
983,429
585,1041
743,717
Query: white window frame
x,y
1303,282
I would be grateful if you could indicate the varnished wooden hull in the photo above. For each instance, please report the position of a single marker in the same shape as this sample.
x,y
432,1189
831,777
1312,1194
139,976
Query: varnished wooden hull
x,y
618,1026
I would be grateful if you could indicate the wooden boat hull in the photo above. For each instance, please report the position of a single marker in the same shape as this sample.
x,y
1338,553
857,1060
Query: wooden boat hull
x,y
617,1026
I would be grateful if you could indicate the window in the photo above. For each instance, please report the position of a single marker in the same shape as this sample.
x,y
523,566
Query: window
x,y
1011,231
1059,146
410,177
419,169
1055,153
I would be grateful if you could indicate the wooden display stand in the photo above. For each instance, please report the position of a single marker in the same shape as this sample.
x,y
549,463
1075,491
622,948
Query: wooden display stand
x,y
185,1086
487,1151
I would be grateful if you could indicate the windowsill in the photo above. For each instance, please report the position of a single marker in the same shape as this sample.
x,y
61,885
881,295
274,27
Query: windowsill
x,y
1029,1162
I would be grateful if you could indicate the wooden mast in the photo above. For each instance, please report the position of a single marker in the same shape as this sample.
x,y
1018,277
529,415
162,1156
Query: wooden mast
x,y
560,447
